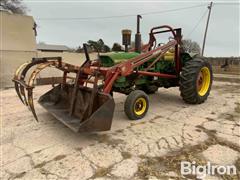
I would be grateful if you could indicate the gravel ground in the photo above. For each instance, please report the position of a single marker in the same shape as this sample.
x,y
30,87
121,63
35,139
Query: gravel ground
x,y
151,148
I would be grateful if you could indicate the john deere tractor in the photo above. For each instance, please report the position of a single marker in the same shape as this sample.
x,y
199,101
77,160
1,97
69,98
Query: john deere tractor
x,y
85,103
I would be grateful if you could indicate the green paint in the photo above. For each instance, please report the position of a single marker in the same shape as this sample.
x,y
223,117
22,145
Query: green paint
x,y
165,65
110,59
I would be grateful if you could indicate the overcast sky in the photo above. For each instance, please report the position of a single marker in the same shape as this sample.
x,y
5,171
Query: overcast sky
x,y
222,38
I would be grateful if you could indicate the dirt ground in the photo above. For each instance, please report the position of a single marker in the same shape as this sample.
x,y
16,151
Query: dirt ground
x,y
151,148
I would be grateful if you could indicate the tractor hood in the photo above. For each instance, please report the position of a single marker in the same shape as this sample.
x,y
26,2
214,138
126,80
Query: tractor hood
x,y
110,59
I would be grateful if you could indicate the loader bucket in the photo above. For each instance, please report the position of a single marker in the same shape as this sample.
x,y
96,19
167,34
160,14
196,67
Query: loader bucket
x,y
86,116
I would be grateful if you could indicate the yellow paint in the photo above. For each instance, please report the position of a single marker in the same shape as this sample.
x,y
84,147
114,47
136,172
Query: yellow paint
x,y
169,55
206,78
143,106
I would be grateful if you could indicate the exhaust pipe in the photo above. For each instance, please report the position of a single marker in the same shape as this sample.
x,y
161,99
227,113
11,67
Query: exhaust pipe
x,y
138,36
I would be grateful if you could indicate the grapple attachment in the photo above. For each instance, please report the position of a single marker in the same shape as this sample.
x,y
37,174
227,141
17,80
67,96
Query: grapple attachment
x,y
21,85
79,107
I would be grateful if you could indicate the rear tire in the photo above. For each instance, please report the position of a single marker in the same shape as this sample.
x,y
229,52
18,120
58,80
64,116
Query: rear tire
x,y
195,81
136,105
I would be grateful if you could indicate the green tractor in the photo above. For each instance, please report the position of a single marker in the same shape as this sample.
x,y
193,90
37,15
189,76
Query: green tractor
x,y
86,102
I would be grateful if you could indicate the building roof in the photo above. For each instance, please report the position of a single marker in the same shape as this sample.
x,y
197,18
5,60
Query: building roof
x,y
52,47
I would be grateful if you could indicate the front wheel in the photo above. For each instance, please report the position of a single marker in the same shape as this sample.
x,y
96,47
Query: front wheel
x,y
136,105
196,81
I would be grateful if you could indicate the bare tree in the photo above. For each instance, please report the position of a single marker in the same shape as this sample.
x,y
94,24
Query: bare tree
x,y
15,6
99,45
190,46
116,47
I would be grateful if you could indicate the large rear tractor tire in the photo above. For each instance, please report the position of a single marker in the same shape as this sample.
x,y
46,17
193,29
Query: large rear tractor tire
x,y
196,81
136,105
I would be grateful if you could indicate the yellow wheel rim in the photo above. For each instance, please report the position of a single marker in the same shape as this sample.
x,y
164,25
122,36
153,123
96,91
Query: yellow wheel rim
x,y
203,81
140,106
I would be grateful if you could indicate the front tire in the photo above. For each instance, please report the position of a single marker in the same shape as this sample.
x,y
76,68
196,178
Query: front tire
x,y
196,81
136,105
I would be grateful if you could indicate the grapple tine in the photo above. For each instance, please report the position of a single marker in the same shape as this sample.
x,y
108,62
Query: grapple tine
x,y
31,86
30,102
20,74
18,92
36,72
18,87
22,90
19,69
21,85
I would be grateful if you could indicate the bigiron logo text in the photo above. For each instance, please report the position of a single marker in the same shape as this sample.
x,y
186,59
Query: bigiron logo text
x,y
201,171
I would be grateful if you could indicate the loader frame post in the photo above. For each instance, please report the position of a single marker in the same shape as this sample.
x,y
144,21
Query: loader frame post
x,y
74,94
86,52
93,94
64,77
177,50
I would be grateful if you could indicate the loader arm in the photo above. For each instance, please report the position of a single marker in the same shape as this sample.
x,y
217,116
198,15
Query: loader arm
x,y
128,67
